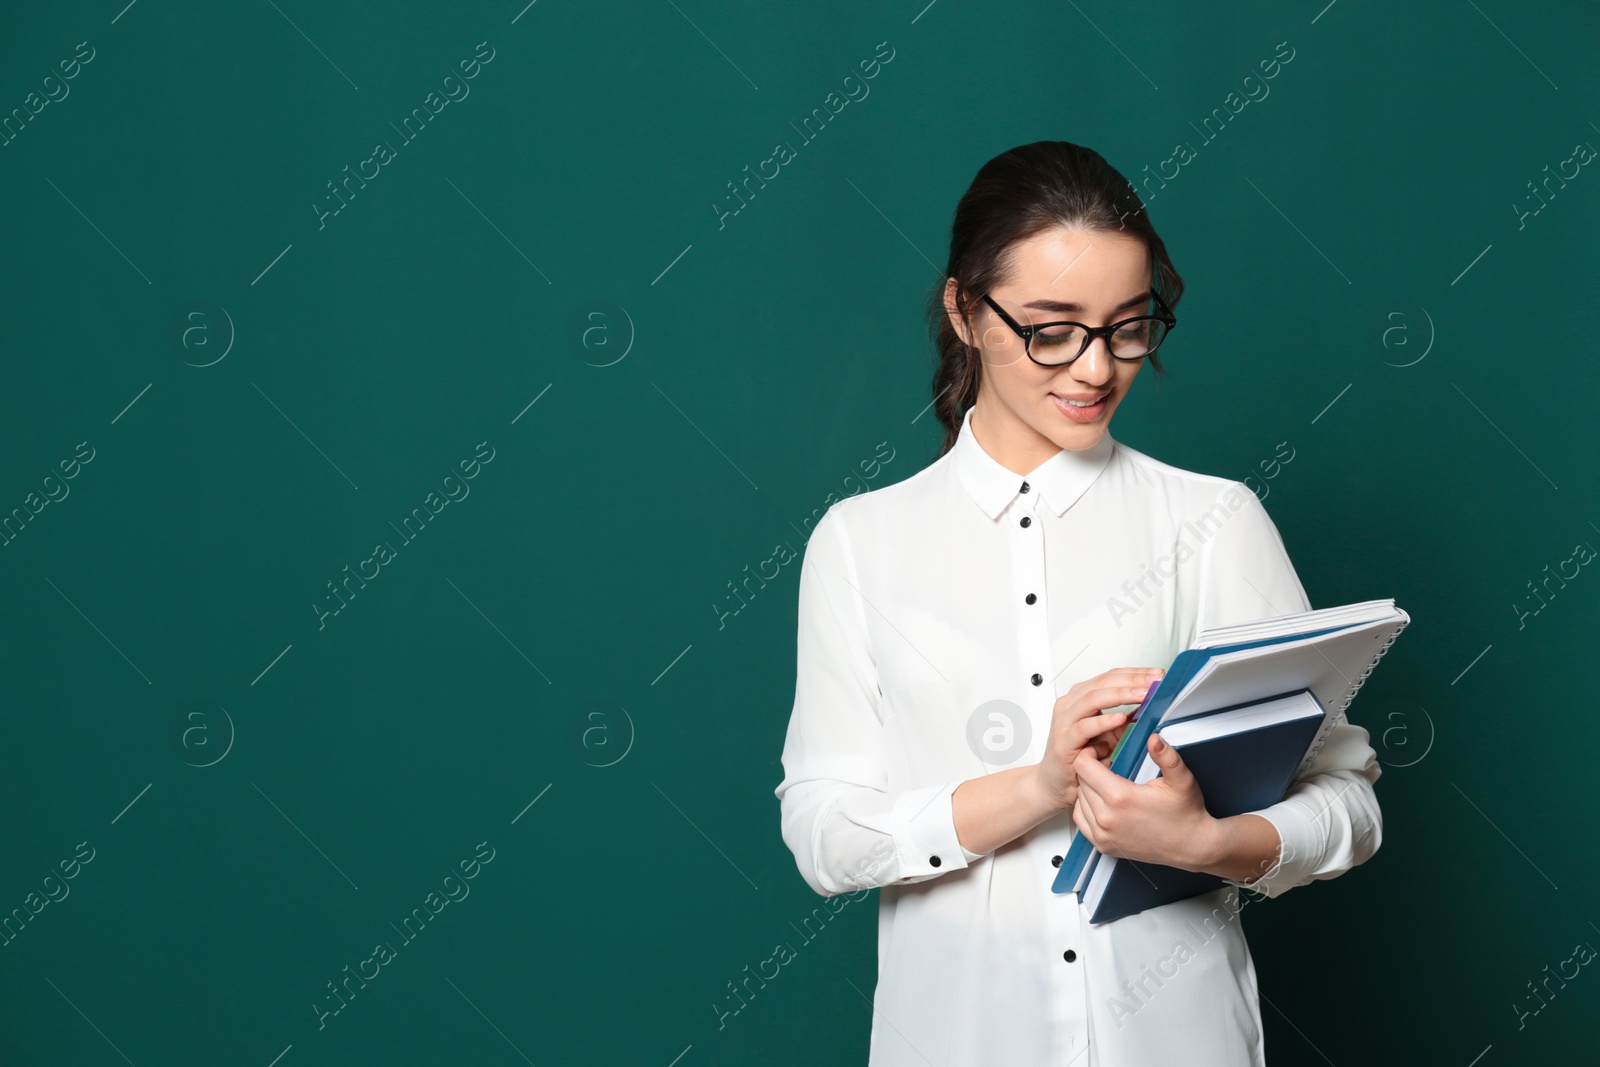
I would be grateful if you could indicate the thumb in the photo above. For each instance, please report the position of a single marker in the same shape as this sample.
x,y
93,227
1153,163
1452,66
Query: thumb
x,y
1172,766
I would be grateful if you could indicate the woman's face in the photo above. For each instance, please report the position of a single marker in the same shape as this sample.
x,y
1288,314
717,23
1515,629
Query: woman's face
x,y
1094,277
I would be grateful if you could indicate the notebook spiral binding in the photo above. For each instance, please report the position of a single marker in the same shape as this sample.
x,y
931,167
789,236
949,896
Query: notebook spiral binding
x,y
1339,712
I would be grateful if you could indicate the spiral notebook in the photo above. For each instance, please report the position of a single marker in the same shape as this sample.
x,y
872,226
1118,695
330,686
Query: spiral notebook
x,y
1329,652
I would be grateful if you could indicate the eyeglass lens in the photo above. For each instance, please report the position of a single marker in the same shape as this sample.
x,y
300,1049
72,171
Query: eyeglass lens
x,y
1059,342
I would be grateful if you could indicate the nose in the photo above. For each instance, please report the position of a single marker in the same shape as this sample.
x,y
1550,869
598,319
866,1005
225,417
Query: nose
x,y
1095,366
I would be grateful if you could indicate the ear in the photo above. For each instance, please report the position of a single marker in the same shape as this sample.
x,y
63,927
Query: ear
x,y
951,289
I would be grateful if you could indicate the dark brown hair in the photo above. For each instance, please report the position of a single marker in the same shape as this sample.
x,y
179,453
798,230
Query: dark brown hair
x,y
1015,195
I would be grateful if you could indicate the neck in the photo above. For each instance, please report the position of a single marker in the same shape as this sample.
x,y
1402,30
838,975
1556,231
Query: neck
x,y
1014,444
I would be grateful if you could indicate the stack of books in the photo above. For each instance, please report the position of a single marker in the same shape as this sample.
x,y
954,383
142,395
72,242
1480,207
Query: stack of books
x,y
1248,708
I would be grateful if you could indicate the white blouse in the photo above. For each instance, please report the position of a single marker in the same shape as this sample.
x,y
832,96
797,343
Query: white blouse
x,y
939,620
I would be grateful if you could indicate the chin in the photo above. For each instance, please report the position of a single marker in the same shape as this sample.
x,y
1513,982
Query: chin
x,y
1083,437
1075,436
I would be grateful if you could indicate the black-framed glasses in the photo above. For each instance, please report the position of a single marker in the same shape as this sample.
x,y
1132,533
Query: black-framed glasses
x,y
1060,343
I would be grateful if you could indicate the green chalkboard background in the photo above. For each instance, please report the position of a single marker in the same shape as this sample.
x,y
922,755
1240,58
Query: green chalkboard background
x,y
224,384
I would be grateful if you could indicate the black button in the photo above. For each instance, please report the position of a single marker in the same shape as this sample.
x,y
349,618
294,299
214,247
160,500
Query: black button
x,y
1037,679
1024,487
933,861
1026,521
1069,955
1055,861
1030,598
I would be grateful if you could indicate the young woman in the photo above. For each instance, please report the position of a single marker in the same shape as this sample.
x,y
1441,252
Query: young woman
x,y
963,633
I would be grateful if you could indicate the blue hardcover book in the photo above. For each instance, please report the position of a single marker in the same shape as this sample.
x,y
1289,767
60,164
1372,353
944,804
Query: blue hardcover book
x,y
1073,873
1244,759
1330,652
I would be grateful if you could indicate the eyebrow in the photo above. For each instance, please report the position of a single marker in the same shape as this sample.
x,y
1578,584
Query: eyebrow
x,y
1060,305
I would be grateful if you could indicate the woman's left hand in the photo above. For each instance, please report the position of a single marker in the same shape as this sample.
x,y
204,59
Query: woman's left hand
x,y
1162,821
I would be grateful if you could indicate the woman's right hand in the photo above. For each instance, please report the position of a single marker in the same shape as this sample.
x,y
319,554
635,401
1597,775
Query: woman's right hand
x,y
1077,723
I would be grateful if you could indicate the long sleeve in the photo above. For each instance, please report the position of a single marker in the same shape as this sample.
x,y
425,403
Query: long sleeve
x,y
1329,821
847,829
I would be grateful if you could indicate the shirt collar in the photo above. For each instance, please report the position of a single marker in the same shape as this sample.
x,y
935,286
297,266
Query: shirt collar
x,y
1061,479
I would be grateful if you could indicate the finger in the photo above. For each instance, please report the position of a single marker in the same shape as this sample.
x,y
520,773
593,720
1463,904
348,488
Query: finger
x,y
1136,688
1116,696
1173,769
1083,815
1080,819
1097,777
1098,837
1107,743
1157,671
1120,676
1094,701
1091,726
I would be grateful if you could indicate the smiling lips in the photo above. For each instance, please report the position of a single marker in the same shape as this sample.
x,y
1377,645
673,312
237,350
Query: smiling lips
x,y
1081,412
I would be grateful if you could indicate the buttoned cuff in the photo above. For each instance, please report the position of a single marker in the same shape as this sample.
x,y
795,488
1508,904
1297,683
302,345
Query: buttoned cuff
x,y
1300,838
925,840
